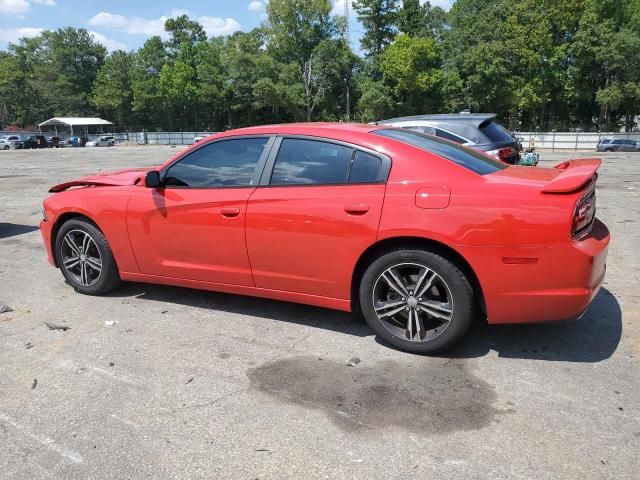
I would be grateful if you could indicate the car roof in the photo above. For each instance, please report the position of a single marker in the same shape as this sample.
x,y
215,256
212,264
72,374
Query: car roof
x,y
302,128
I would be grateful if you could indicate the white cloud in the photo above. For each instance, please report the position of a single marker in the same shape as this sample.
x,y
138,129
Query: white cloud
x,y
155,26
14,34
12,8
215,26
131,25
109,43
17,8
257,6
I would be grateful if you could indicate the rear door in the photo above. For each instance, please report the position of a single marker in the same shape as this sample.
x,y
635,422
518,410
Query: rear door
x,y
317,209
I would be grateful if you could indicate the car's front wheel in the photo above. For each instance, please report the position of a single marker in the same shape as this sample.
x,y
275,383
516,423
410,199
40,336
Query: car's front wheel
x,y
85,258
416,300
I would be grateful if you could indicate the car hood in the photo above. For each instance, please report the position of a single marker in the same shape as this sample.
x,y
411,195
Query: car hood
x,y
107,179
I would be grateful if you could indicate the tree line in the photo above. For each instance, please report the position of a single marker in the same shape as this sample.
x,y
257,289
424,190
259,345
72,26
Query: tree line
x,y
538,64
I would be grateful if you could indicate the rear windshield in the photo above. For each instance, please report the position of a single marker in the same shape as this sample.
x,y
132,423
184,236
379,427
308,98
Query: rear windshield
x,y
463,156
496,132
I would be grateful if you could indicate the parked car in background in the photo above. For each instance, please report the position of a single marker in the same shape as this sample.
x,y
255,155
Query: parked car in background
x,y
480,131
34,142
14,141
198,139
54,142
417,233
106,141
77,142
617,145
4,144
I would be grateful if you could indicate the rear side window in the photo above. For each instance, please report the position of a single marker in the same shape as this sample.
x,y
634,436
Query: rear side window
x,y
495,132
365,168
463,156
226,163
449,136
311,162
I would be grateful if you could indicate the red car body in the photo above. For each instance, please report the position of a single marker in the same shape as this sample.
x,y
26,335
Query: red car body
x,y
511,229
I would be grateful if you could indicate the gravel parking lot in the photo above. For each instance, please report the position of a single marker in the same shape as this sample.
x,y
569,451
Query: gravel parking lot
x,y
190,384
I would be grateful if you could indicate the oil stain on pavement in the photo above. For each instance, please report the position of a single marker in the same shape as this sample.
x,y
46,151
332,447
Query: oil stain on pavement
x,y
425,396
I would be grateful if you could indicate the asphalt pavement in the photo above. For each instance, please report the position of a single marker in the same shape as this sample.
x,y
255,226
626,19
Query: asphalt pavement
x,y
169,383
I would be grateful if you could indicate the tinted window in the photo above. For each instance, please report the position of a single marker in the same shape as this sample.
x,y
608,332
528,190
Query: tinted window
x,y
365,168
496,132
449,136
227,163
308,162
617,142
463,156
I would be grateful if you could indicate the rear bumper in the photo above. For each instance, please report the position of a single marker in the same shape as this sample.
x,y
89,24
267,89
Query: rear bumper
x,y
559,286
45,230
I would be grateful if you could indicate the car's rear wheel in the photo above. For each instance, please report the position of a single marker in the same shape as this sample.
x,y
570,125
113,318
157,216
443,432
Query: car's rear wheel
x,y
608,150
417,300
85,258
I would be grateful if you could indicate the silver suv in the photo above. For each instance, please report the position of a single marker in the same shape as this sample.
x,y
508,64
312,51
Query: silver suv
x,y
617,145
476,130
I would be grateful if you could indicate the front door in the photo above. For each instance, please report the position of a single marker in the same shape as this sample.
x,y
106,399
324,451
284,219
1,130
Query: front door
x,y
193,226
318,212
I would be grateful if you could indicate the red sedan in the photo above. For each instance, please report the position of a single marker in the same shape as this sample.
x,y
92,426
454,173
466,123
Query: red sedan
x,y
417,233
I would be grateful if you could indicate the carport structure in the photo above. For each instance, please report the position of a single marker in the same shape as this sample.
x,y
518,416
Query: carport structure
x,y
81,124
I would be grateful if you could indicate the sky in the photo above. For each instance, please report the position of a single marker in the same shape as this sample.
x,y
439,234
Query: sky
x,y
126,24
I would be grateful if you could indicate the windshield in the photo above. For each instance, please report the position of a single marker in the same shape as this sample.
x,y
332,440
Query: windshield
x,y
463,156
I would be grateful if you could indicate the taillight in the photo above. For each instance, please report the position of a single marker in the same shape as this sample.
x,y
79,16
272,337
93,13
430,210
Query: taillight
x,y
502,154
584,214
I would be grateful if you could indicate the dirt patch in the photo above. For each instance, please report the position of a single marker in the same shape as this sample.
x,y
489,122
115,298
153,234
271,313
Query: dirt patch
x,y
426,396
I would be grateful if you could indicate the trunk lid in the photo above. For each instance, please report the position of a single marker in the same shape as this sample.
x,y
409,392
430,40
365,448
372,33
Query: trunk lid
x,y
566,177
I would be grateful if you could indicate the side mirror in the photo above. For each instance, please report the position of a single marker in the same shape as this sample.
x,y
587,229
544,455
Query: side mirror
x,y
152,180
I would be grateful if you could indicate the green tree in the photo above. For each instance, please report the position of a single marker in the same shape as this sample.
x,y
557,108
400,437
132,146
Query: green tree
x,y
412,18
183,30
379,19
112,92
375,102
295,29
59,69
148,102
412,67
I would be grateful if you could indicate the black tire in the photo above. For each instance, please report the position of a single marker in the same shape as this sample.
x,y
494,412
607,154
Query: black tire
x,y
608,150
459,287
108,278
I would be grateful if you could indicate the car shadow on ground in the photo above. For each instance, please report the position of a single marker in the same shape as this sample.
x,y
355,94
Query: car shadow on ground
x,y
593,338
12,229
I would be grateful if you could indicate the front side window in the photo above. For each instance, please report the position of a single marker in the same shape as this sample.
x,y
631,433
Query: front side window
x,y
470,159
311,162
226,163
